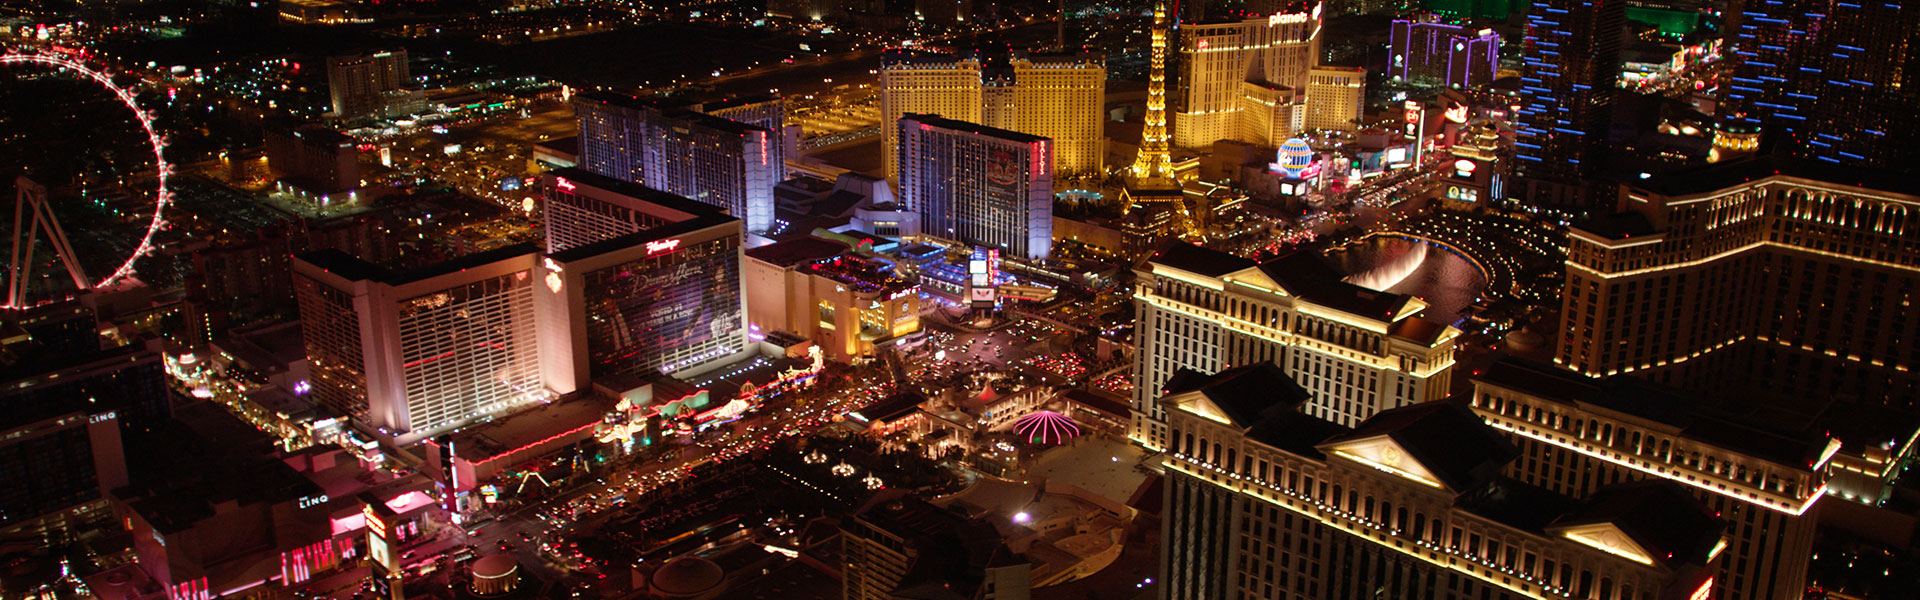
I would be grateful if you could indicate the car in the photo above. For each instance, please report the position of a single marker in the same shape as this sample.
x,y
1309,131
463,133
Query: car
x,y
407,554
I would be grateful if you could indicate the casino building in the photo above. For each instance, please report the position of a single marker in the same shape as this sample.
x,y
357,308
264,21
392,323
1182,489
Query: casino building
x,y
658,292
423,351
1773,281
1577,434
1266,501
821,290
1355,351
978,185
1739,267
1054,96
636,281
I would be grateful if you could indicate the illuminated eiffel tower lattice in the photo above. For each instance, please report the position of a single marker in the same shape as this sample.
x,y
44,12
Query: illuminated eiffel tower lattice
x,y
31,199
1150,185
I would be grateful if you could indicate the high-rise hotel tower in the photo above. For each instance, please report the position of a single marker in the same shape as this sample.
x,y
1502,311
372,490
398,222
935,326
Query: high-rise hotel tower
x,y
1577,434
719,161
1266,501
1571,61
978,185
1055,96
1828,80
1765,276
1355,351
1247,79
1780,287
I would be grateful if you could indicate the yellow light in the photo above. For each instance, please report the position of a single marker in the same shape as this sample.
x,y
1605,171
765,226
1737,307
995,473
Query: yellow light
x,y
1342,318
1485,575
1173,273
1603,547
1357,458
1704,592
1498,422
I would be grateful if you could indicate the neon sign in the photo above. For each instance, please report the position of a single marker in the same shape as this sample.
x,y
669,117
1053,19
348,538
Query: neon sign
x,y
375,526
563,184
1457,113
726,411
1286,18
662,246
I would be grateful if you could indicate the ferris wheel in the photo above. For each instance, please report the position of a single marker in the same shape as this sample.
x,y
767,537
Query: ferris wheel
x,y
32,216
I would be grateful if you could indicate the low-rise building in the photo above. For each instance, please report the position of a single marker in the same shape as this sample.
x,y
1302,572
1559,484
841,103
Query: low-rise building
x,y
847,302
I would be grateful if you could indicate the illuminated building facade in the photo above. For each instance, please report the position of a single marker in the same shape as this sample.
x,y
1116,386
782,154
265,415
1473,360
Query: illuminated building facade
x,y
1768,280
823,291
1443,54
978,185
1265,501
613,134
665,298
730,164
1571,63
420,352
214,514
581,208
1477,162
1767,276
1055,96
766,111
1356,351
1577,433
1335,97
1828,81
1245,79
362,85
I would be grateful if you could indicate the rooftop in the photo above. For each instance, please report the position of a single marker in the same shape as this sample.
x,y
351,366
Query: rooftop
x,y
1203,261
1724,175
1513,502
797,251
529,427
1659,516
1446,438
892,407
1248,394
1698,419
183,468
975,128
1308,275
353,268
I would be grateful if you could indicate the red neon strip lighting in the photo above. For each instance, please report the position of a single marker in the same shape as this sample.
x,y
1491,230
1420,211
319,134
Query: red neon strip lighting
x,y
548,439
426,360
493,345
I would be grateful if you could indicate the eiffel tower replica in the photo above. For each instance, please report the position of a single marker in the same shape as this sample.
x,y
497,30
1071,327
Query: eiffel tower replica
x,y
1152,197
